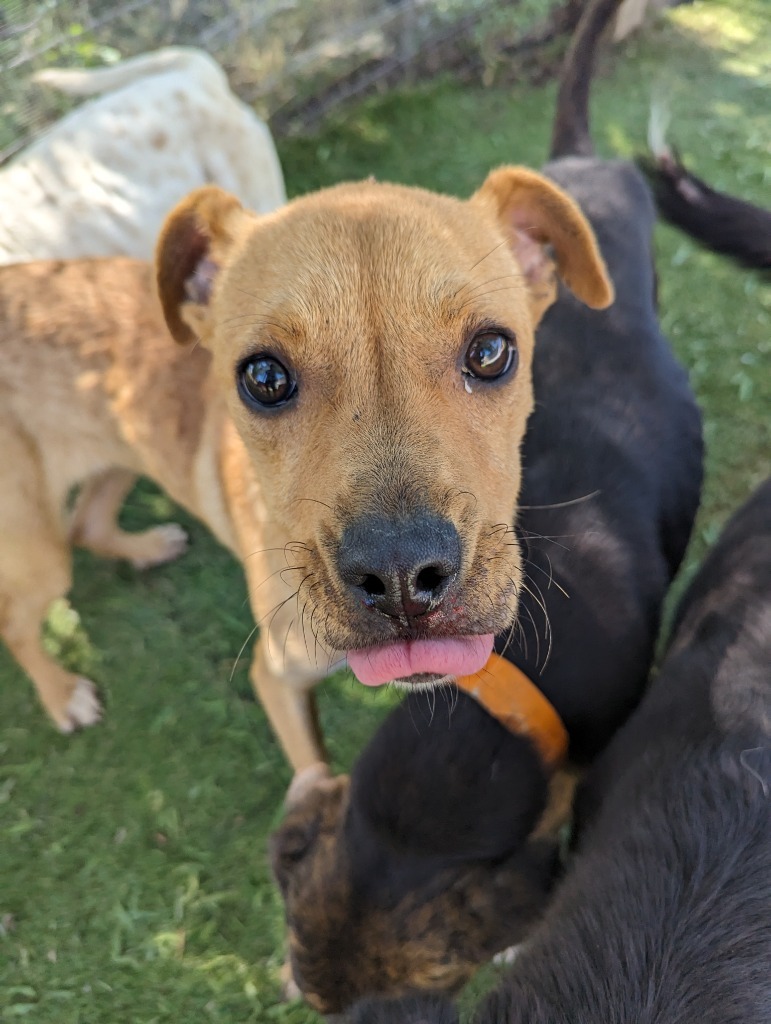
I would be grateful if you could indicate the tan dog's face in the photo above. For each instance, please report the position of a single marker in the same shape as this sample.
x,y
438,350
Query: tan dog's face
x,y
374,346
358,928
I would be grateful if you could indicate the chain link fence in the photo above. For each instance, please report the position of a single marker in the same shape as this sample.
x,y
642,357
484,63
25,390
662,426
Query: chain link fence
x,y
292,59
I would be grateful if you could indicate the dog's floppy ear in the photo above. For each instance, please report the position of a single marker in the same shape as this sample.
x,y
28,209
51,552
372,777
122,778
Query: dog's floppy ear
x,y
534,212
195,240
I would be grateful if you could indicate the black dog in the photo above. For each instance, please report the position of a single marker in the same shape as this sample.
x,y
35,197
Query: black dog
x,y
425,865
665,917
718,221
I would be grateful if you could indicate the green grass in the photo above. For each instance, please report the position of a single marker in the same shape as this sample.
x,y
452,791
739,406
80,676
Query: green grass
x,y
133,877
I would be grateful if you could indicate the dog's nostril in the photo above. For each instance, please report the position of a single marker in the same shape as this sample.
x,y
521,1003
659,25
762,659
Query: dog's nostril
x,y
373,586
429,579
399,567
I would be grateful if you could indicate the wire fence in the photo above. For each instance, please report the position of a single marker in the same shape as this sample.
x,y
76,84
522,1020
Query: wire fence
x,y
292,59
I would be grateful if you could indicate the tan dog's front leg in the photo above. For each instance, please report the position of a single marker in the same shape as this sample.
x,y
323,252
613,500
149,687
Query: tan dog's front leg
x,y
291,709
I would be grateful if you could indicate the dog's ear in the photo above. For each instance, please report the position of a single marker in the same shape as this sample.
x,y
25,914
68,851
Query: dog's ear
x,y
534,212
196,239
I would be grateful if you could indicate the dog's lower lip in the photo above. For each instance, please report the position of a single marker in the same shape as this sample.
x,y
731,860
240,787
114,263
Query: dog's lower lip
x,y
446,656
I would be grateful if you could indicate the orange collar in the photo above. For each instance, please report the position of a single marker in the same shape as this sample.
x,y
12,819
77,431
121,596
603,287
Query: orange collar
x,y
505,692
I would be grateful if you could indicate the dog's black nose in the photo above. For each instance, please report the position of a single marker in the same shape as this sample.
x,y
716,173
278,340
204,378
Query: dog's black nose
x,y
400,567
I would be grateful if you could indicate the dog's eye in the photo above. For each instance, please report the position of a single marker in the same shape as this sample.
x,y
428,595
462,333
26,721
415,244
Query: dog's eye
x,y
264,381
490,355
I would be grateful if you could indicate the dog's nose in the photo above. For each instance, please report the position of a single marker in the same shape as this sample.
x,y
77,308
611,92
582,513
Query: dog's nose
x,y
400,567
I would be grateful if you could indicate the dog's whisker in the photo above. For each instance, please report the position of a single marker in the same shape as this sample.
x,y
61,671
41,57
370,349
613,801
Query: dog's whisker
x,y
471,291
283,548
286,641
522,639
301,612
499,528
316,641
492,291
486,255
547,622
273,616
549,575
317,501
252,319
247,319
249,636
563,504
315,638
432,699
447,694
278,572
530,579
457,492
288,568
446,690
245,291
552,540
305,635
537,636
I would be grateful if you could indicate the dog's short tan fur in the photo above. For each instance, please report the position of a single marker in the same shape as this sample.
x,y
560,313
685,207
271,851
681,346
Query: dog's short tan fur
x,y
371,293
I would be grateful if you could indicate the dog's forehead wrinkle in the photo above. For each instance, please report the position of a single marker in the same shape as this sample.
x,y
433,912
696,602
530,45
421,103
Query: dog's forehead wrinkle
x,y
375,228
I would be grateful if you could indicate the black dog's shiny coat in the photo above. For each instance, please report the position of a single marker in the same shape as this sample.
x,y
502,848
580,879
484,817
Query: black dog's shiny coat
x,y
719,221
665,916
616,430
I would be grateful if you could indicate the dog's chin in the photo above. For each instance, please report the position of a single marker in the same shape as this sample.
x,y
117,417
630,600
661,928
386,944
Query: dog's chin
x,y
422,681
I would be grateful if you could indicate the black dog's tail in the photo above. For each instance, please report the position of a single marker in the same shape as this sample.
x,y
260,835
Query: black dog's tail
x,y
571,135
718,221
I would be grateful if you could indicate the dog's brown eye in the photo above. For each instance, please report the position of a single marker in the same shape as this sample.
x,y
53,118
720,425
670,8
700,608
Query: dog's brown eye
x,y
490,355
266,382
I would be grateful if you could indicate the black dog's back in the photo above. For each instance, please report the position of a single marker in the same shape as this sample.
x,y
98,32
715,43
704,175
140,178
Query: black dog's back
x,y
666,915
612,460
714,689
614,445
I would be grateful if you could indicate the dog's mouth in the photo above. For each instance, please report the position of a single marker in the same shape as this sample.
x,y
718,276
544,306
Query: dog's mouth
x,y
420,662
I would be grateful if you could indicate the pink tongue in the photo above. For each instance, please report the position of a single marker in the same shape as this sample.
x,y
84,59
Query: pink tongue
x,y
453,656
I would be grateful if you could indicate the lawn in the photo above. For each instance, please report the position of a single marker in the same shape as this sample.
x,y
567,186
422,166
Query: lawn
x,y
133,877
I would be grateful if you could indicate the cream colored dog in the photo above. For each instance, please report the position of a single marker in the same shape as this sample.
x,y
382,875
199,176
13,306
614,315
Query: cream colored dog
x,y
102,179
349,425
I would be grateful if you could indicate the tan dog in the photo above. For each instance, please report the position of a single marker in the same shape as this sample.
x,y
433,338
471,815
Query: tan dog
x,y
350,430
100,181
